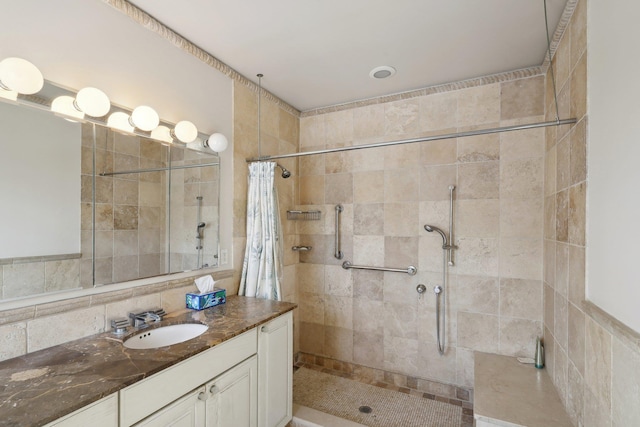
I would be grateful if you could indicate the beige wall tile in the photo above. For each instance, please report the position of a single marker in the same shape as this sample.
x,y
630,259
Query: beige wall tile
x,y
368,160
338,188
368,316
596,412
562,269
521,298
368,284
20,280
475,294
550,172
312,131
578,152
437,367
400,219
368,122
521,178
479,332
625,392
441,152
562,60
522,144
368,219
521,258
338,162
312,189
479,105
401,355
562,216
579,88
66,326
479,148
400,251
576,275
597,374
435,181
576,334
338,311
339,343
561,321
60,275
578,30
550,217
477,256
464,367
339,128
402,187
560,373
368,187
439,111
400,320
401,156
368,349
479,180
549,267
311,308
518,336
575,395
14,340
401,117
549,309
338,281
312,338
522,98
521,217
577,214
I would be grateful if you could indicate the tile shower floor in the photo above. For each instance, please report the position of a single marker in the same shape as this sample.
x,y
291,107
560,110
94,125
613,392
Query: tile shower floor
x,y
323,397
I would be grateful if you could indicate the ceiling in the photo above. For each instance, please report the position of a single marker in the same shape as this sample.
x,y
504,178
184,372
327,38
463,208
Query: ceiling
x,y
317,53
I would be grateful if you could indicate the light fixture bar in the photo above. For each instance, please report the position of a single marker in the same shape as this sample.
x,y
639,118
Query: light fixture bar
x,y
157,169
414,140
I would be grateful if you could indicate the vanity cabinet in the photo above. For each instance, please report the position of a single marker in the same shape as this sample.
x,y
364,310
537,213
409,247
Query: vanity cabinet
x,y
103,413
275,372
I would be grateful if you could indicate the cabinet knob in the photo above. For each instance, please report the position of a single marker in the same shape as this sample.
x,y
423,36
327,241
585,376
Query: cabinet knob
x,y
213,389
203,396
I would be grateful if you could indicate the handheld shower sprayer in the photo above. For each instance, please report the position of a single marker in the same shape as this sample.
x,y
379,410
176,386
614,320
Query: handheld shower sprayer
x,y
200,229
445,241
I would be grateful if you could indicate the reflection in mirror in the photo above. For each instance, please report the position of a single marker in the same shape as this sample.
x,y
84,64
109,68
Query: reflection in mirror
x,y
146,220
149,200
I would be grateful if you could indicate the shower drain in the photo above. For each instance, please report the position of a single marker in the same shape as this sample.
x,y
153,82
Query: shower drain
x,y
365,409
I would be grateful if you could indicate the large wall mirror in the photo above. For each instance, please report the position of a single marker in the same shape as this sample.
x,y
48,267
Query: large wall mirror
x,y
85,206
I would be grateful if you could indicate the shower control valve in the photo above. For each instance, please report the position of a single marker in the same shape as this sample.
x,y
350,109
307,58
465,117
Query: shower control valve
x,y
421,288
437,289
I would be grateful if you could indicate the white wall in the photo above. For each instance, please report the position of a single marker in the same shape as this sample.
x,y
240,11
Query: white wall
x,y
78,43
40,199
613,197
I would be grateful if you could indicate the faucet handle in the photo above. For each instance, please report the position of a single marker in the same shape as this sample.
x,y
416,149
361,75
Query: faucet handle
x,y
119,326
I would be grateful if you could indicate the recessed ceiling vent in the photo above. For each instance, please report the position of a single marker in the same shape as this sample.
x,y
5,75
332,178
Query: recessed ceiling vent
x,y
382,72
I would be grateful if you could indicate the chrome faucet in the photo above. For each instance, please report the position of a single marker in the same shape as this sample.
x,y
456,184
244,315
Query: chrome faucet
x,y
144,318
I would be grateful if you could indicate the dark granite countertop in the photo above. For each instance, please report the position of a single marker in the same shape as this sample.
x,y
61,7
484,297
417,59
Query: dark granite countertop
x,y
42,386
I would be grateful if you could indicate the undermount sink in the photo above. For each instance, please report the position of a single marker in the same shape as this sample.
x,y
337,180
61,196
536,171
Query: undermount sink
x,y
165,335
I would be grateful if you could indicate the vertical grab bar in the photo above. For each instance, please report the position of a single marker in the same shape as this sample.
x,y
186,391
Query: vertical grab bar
x,y
451,245
338,253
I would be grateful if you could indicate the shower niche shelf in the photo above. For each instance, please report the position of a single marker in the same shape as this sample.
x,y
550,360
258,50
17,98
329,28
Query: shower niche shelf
x,y
304,215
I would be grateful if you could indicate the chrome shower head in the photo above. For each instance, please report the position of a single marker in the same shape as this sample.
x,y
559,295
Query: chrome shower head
x,y
285,172
431,229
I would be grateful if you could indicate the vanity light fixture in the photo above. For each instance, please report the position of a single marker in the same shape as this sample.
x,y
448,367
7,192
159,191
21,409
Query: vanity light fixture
x,y
217,142
93,102
120,121
144,118
185,131
64,105
19,76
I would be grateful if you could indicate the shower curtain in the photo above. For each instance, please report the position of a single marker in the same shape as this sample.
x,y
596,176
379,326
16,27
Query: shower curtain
x,y
262,266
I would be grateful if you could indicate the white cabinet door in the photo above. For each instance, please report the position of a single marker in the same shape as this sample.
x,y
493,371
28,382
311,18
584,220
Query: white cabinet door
x,y
103,413
275,372
233,397
188,411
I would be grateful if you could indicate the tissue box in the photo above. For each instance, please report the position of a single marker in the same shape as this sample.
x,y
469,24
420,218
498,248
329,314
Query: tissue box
x,y
202,301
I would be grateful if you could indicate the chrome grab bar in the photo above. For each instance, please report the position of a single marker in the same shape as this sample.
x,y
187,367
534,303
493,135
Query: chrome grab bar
x,y
301,248
451,245
338,253
411,270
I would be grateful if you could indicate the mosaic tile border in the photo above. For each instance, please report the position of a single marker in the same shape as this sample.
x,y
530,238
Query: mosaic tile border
x,y
467,406
152,24
565,18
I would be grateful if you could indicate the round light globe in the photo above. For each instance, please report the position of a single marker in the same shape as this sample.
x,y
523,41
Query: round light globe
x,y
186,131
93,102
120,121
145,118
64,105
20,75
217,142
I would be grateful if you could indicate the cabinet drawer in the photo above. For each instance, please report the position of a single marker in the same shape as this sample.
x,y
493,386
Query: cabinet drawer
x,y
147,396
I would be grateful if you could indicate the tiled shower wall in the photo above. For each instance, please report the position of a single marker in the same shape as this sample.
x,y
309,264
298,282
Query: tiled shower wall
x,y
593,360
494,292
279,130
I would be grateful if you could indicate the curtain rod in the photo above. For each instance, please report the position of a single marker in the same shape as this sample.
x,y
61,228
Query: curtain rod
x,y
157,169
414,140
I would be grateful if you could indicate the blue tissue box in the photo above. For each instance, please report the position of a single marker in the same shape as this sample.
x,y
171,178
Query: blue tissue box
x,y
202,301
